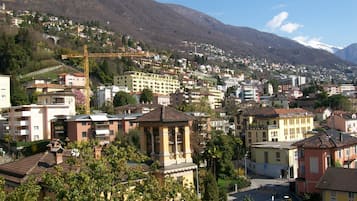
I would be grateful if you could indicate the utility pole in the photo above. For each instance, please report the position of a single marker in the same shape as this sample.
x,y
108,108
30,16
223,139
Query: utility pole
x,y
86,57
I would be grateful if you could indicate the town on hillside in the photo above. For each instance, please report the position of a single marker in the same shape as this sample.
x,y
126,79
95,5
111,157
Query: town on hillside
x,y
201,124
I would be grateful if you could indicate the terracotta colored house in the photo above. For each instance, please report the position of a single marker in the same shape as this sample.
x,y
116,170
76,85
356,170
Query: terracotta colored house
x,y
321,151
102,127
165,136
345,122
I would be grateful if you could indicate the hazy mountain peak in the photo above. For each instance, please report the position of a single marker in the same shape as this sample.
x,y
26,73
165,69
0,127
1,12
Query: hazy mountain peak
x,y
316,44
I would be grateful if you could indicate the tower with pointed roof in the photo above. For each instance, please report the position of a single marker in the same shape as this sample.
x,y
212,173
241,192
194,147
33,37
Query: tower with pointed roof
x,y
165,137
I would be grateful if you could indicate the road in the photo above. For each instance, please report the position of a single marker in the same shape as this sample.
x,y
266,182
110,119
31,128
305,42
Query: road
x,y
263,189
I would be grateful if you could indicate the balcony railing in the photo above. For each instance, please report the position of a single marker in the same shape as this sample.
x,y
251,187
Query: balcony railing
x,y
262,127
23,114
22,132
22,123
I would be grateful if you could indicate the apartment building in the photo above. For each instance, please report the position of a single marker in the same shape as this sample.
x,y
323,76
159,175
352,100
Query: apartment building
x,y
33,122
4,92
102,127
138,81
321,151
274,159
66,98
75,79
272,124
107,93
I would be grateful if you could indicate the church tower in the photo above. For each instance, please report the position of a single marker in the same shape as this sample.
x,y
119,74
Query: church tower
x,y
165,137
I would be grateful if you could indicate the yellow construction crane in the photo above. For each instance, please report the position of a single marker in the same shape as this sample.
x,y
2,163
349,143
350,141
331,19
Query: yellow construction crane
x,y
86,57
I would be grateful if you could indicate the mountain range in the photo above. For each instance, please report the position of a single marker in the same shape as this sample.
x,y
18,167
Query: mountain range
x,y
167,25
349,53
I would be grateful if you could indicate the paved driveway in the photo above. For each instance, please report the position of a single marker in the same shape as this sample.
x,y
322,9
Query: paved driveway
x,y
263,189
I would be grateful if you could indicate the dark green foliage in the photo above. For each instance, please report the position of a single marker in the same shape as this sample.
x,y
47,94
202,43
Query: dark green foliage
x,y
211,189
146,96
336,102
313,88
123,98
18,94
220,151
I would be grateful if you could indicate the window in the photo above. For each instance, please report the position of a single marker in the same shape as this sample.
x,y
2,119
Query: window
x,y
172,140
339,153
351,195
348,152
328,161
36,128
156,140
84,123
180,139
111,132
84,134
301,153
314,165
277,156
333,195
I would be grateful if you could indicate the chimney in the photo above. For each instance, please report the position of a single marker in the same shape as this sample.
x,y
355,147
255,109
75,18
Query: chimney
x,y
55,147
97,152
59,157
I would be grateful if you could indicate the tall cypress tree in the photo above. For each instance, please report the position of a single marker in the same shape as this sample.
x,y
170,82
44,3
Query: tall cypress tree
x,y
211,188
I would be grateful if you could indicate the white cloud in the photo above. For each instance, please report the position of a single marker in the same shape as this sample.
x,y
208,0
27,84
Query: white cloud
x,y
277,20
290,27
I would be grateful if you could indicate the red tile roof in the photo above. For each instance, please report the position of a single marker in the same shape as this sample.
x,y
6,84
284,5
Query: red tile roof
x,y
339,179
323,140
276,112
165,114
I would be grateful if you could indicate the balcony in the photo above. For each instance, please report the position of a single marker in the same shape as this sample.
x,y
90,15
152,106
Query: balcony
x,y
262,127
102,132
22,123
22,132
23,114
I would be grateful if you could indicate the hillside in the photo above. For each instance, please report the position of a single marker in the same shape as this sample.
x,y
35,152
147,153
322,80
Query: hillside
x,y
164,25
349,53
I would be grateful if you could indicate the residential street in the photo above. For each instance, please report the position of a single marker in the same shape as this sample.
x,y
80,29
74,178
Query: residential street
x,y
263,189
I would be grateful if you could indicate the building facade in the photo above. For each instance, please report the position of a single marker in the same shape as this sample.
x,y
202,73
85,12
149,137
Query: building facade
x,y
274,159
4,92
138,81
338,184
271,124
107,93
58,98
75,79
165,136
345,122
319,152
33,122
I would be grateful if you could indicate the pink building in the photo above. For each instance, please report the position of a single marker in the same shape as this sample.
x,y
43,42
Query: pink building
x,y
319,152
345,122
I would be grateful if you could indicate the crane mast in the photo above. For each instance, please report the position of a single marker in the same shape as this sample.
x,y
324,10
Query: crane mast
x,y
86,55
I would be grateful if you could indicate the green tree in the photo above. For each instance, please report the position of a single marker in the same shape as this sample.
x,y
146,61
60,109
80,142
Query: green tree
x,y
122,98
146,96
29,190
210,188
18,94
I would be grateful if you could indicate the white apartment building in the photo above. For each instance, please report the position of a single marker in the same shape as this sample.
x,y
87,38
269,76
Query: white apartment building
x,y
107,93
138,81
75,79
4,92
33,122
66,98
248,92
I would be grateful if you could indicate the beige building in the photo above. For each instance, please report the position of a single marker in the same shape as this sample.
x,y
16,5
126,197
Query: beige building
x,y
165,136
274,159
271,124
4,92
138,81
33,122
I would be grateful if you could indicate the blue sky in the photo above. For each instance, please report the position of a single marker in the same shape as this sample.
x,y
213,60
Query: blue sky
x,y
327,21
